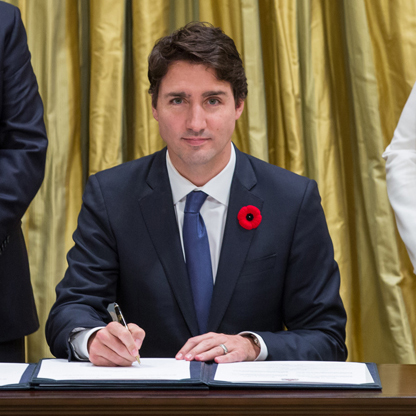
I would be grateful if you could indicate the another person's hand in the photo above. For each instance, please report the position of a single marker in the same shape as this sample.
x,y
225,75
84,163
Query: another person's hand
x,y
208,347
114,345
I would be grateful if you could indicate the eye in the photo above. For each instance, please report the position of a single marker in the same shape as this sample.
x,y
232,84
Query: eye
x,y
213,101
177,100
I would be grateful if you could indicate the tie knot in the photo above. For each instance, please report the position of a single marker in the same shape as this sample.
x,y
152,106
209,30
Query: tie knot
x,y
194,201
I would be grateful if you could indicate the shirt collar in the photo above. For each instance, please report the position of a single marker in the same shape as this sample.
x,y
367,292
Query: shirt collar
x,y
218,187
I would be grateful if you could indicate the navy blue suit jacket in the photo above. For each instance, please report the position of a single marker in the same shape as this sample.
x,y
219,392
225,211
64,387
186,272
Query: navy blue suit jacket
x,y
128,250
23,146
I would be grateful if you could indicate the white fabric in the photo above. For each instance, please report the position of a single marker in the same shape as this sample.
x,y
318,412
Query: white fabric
x,y
400,158
79,341
213,210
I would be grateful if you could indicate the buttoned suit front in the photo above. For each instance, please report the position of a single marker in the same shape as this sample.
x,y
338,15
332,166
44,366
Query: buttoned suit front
x,y
279,280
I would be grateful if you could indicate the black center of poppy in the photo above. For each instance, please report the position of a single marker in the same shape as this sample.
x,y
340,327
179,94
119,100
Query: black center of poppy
x,y
250,217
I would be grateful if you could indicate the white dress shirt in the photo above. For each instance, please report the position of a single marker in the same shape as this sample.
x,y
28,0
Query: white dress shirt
x,y
213,210
214,213
400,158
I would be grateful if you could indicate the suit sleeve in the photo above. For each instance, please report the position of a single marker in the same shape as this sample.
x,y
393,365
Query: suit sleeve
x,y
23,139
90,282
400,158
313,312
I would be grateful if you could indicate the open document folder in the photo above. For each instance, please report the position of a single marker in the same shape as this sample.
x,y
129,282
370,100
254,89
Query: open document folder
x,y
16,375
170,373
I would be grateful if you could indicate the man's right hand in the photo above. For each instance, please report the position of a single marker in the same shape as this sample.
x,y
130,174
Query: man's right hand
x,y
114,345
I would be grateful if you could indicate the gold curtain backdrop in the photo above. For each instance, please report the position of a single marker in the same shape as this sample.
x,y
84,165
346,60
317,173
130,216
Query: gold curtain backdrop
x,y
327,82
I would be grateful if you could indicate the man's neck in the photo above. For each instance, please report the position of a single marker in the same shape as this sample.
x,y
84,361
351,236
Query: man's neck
x,y
200,174
199,177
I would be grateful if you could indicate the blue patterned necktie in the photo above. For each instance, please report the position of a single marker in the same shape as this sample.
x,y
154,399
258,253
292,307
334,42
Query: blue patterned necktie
x,y
198,258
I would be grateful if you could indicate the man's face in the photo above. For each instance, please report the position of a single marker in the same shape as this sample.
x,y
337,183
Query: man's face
x,y
196,114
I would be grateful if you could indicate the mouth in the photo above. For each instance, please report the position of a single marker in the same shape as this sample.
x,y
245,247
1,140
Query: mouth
x,y
195,141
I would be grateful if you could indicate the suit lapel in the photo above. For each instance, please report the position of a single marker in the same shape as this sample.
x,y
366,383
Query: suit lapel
x,y
160,219
236,241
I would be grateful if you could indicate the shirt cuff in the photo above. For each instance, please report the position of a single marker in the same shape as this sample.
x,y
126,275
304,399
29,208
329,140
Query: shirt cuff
x,y
264,352
79,341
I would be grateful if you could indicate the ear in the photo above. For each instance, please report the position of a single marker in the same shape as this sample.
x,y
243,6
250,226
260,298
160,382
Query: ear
x,y
155,114
239,109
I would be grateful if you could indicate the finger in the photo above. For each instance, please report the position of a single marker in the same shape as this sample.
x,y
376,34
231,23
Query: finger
x,y
102,362
137,333
110,339
191,344
106,357
207,348
106,344
232,357
208,355
125,338
101,354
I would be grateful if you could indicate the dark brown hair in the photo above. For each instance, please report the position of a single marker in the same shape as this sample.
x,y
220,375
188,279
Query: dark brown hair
x,y
199,43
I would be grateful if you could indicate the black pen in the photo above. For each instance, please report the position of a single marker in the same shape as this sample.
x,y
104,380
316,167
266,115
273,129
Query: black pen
x,y
122,321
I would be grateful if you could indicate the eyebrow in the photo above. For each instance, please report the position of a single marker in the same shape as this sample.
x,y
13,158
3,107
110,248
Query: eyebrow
x,y
209,93
205,94
176,94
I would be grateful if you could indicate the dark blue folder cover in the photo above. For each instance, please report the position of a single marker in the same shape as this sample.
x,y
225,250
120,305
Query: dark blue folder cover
x,y
372,368
201,377
25,380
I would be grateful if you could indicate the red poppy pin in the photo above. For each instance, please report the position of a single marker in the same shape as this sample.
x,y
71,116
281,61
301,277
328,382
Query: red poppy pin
x,y
249,217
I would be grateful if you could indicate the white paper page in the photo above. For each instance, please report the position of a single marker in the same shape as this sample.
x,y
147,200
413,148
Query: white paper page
x,y
11,373
323,372
150,369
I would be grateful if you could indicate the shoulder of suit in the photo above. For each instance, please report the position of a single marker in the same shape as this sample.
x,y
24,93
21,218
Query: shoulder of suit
x,y
8,15
267,169
131,174
127,181
7,8
133,166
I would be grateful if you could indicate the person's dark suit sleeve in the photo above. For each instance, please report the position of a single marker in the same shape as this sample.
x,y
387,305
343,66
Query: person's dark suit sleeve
x,y
90,282
313,312
23,140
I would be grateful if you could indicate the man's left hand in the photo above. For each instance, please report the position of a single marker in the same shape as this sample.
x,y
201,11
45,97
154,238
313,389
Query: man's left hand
x,y
208,347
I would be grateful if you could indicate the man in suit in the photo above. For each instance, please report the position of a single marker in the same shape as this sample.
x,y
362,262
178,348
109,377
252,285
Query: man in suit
x,y
270,258
23,146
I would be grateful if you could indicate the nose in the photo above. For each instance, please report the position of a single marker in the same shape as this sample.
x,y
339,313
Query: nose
x,y
196,119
